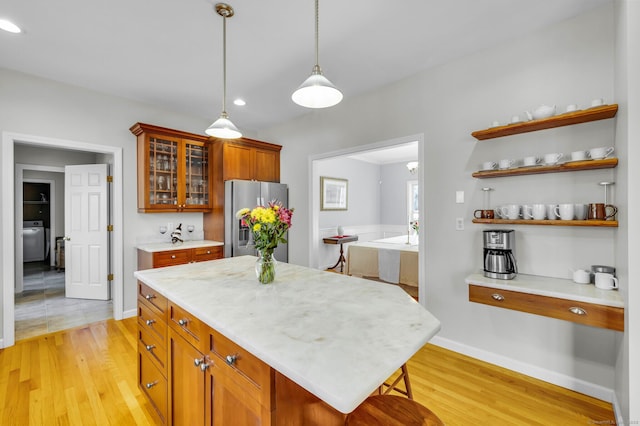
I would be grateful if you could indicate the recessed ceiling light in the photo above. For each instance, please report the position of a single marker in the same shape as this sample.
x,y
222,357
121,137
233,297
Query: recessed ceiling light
x,y
9,26
239,102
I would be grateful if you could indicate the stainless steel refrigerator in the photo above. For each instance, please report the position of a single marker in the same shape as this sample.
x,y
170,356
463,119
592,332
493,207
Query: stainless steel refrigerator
x,y
238,239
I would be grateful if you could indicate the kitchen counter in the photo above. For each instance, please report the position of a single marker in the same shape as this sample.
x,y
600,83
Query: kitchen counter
x,y
156,247
551,287
336,336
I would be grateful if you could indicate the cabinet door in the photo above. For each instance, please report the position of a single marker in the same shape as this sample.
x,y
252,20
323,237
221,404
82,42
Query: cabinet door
x,y
239,162
267,166
162,177
196,176
229,404
186,381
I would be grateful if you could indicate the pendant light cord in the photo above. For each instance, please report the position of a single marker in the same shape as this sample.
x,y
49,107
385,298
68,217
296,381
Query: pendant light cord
x,y
317,35
224,64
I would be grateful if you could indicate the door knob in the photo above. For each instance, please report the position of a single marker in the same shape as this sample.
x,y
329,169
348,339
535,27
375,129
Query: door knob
x,y
67,238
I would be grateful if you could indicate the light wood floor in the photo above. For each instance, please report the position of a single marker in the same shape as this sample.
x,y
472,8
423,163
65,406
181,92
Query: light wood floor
x,y
87,376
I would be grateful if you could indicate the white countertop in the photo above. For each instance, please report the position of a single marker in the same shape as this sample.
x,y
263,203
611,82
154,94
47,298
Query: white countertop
x,y
337,336
552,287
154,247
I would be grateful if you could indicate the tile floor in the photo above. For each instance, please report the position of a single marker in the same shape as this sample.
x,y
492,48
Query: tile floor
x,y
42,307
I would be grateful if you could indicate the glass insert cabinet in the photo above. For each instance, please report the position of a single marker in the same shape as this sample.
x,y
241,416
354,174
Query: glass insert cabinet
x,y
173,170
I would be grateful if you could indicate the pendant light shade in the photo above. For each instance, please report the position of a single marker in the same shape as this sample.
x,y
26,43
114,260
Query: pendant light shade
x,y
317,91
223,127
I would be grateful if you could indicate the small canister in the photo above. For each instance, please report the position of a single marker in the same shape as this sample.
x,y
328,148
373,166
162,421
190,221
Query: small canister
x,y
601,268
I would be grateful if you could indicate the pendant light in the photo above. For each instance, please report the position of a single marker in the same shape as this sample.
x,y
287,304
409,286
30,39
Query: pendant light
x,y
317,91
223,127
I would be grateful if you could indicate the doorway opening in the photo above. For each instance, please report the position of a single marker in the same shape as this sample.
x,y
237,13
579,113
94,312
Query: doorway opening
x,y
12,251
377,208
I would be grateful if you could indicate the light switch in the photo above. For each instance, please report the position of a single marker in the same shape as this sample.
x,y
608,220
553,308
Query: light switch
x,y
459,197
459,224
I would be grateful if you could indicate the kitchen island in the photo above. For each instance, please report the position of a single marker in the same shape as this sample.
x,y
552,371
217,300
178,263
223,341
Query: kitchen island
x,y
326,340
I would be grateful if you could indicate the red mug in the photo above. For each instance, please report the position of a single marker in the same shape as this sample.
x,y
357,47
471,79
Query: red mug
x,y
483,214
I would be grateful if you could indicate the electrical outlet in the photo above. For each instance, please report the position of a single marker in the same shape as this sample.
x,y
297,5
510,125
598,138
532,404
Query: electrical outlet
x,y
459,224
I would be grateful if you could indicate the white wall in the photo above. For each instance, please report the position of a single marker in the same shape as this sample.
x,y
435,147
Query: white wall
x,y
563,64
393,186
33,106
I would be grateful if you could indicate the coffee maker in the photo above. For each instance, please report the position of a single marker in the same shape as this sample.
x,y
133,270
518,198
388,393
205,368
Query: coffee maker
x,y
499,253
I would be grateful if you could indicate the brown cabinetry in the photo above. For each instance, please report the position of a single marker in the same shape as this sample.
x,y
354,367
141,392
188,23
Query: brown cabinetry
x,y
174,170
244,159
152,348
158,259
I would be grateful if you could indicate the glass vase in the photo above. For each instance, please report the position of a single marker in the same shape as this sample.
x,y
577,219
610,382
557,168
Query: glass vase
x,y
266,267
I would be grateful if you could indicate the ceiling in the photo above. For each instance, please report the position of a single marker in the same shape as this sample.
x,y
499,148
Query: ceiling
x,y
169,52
389,155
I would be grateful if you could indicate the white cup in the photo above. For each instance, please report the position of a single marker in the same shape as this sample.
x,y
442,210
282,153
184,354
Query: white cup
x,y
495,123
565,211
606,281
510,211
515,119
579,155
506,164
581,211
581,276
489,165
597,102
572,108
531,161
527,211
601,152
551,212
538,211
552,158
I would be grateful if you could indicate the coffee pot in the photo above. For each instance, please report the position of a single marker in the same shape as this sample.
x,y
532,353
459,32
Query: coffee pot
x,y
499,254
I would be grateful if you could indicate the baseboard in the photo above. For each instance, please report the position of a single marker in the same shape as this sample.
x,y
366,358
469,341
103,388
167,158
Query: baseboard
x,y
129,313
563,380
617,410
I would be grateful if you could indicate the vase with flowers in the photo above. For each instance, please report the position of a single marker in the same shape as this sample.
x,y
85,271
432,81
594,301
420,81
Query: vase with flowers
x,y
268,224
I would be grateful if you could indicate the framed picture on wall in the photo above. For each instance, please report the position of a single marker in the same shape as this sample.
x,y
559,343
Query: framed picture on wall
x,y
333,193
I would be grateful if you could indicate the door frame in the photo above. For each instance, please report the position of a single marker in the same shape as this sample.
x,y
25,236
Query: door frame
x,y
8,231
19,181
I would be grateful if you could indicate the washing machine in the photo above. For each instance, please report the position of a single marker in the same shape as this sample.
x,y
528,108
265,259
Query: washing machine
x,y
33,241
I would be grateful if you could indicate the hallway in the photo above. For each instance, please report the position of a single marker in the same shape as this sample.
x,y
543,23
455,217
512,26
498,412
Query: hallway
x,y
42,307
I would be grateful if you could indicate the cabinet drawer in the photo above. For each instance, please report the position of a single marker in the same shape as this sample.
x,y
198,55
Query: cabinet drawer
x,y
187,326
584,313
201,254
153,323
172,257
151,345
153,384
155,300
254,376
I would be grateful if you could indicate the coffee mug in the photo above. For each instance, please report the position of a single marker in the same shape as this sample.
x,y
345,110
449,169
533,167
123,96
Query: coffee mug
x,y
579,155
606,281
581,276
483,214
597,102
565,211
601,152
489,165
506,163
538,211
527,211
572,107
610,211
552,158
510,211
495,123
515,119
551,212
531,161
581,211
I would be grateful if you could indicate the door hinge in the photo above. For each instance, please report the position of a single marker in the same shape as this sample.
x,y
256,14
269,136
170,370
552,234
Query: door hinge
x,y
110,277
110,228
110,179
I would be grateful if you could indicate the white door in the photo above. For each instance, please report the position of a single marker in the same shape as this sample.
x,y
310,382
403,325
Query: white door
x,y
86,235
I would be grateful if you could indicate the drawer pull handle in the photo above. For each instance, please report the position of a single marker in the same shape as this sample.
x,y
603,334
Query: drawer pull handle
x,y
150,322
231,359
577,311
498,297
150,296
150,385
150,347
173,256
182,322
